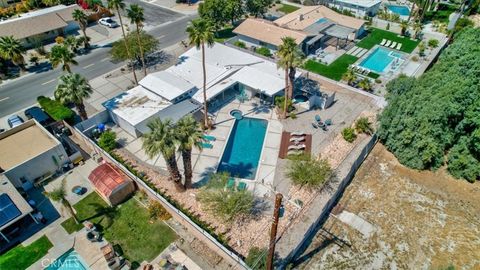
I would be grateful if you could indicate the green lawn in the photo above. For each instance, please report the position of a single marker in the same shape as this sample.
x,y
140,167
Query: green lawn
x,y
127,225
22,257
376,35
224,34
287,8
71,226
333,71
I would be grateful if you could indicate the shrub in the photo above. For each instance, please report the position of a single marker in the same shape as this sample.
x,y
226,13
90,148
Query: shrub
x,y
59,40
264,51
257,258
157,211
415,58
240,44
227,204
378,81
311,173
349,134
55,109
364,126
280,103
433,43
108,141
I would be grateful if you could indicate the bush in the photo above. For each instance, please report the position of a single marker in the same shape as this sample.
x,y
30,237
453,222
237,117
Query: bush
x,y
349,134
311,173
264,51
227,204
280,103
157,211
257,258
56,110
240,44
108,141
362,125
433,43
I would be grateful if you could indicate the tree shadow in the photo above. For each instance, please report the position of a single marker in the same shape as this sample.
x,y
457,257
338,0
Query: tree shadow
x,y
41,67
107,215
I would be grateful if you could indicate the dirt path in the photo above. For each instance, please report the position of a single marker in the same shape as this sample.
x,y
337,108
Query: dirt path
x,y
422,220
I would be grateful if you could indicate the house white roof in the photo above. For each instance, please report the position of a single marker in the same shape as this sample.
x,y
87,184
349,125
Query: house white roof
x,y
361,3
166,84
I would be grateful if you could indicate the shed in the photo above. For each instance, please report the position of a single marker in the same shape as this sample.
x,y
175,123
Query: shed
x,y
111,184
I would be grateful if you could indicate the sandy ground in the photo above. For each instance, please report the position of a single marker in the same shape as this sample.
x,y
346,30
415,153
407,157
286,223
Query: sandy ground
x,y
421,220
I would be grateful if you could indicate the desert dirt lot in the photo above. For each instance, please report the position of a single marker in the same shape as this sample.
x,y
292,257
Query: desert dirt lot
x,y
410,220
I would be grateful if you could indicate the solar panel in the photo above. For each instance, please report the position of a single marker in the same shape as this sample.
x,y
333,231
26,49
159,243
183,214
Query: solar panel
x,y
8,210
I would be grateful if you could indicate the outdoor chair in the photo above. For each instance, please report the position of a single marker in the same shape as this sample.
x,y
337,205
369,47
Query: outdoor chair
x,y
314,125
296,147
209,137
297,139
297,133
328,122
399,46
388,43
393,44
241,186
230,183
206,145
317,118
383,42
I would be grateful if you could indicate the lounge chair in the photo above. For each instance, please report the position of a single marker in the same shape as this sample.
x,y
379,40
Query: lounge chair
x,y
366,71
383,42
296,147
206,145
393,44
317,118
209,137
241,186
230,183
399,46
388,43
297,133
297,139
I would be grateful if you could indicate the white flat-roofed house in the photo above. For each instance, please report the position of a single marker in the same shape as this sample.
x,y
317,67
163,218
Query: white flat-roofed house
x,y
359,8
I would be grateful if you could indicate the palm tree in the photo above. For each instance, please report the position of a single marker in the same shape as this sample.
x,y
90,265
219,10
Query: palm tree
x,y
120,5
365,84
188,134
349,76
404,27
11,49
162,140
73,88
290,58
135,13
72,43
201,32
417,28
82,19
60,195
61,54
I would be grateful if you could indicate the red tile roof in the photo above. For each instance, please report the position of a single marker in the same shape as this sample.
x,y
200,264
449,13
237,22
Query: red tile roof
x,y
106,178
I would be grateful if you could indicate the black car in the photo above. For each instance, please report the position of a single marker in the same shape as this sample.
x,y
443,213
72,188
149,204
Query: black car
x,y
38,114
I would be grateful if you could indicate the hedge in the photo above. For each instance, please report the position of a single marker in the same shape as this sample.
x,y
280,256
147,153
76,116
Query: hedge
x,y
55,109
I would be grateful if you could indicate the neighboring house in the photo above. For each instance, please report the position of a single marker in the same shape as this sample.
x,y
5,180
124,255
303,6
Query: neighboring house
x,y
258,32
177,91
359,8
14,209
29,154
42,25
111,184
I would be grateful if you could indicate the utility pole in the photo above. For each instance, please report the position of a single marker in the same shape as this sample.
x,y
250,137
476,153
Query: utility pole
x,y
273,231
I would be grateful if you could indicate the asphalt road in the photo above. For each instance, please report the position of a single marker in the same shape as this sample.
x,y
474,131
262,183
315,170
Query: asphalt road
x,y
21,93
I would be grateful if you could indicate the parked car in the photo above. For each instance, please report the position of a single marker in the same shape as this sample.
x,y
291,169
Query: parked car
x,y
39,115
14,121
108,22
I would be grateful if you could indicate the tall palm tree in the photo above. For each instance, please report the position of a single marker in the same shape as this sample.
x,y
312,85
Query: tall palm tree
x,y
189,134
82,19
290,58
201,32
60,195
72,43
404,27
11,49
74,88
135,13
162,140
120,5
417,28
61,54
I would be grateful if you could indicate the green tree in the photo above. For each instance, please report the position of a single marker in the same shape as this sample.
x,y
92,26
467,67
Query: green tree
x,y
350,76
200,32
257,258
81,18
257,7
363,125
73,88
61,54
310,172
349,134
404,27
290,58
108,140
135,14
417,28
234,10
433,43
162,140
189,135
149,44
60,195
72,43
215,12
11,49
120,5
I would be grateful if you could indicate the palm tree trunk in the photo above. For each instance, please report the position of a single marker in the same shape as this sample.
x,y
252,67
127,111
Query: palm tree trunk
x,y
67,67
85,43
205,106
291,76
285,105
70,209
187,166
126,45
81,111
174,172
140,46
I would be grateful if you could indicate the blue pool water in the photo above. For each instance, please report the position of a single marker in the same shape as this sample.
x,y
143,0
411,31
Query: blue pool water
x,y
244,146
379,59
71,260
322,20
400,10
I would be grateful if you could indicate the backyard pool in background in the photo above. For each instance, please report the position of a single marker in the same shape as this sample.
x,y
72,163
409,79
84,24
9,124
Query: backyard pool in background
x,y
380,59
244,146
70,260
400,10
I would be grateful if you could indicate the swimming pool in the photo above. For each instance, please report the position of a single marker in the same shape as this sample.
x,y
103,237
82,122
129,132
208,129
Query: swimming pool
x,y
380,58
70,260
244,146
400,10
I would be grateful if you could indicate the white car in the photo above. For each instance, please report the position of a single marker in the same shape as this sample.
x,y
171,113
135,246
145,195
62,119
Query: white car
x,y
108,22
